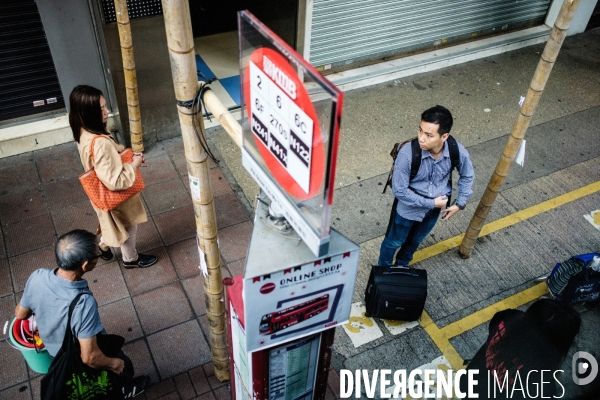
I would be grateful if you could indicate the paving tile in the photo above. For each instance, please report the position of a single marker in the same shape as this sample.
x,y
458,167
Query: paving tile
x,y
199,380
6,286
29,234
23,265
2,246
223,392
234,241
60,167
209,370
333,381
19,159
141,280
194,289
329,394
17,373
154,150
19,177
79,216
140,356
166,196
184,386
148,237
180,165
36,387
163,307
218,183
177,225
7,309
170,396
207,396
174,147
60,149
120,318
179,348
18,392
185,258
158,169
107,283
159,389
65,193
237,267
229,211
22,204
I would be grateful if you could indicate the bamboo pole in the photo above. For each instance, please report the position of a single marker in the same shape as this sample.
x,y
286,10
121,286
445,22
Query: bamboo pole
x,y
131,86
231,126
180,42
534,93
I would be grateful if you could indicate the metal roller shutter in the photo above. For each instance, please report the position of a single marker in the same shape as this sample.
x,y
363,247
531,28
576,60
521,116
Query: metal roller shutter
x,y
28,81
352,31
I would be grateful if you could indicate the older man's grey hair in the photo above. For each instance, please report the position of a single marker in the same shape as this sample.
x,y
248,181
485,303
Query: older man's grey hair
x,y
74,248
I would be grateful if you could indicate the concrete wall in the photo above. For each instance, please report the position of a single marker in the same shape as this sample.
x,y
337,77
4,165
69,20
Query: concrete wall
x,y
155,83
580,19
72,40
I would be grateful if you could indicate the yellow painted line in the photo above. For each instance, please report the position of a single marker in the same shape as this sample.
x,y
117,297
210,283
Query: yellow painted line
x,y
441,341
509,220
479,317
441,337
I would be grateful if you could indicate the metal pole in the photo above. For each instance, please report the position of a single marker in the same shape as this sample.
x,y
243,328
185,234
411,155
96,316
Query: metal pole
x,y
131,86
536,88
178,27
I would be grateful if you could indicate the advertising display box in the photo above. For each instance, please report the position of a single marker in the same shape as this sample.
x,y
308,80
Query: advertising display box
x,y
290,293
295,370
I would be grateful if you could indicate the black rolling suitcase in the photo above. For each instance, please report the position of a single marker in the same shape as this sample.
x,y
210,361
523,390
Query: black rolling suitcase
x,y
396,293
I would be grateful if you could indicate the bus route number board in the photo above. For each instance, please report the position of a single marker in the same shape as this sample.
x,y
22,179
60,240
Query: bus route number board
x,y
279,123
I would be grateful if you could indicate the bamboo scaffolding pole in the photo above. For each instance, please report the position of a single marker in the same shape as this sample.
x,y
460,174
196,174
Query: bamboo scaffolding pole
x,y
532,98
131,86
180,42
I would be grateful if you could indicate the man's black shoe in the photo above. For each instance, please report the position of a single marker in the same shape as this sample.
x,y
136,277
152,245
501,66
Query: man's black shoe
x,y
143,261
136,387
106,254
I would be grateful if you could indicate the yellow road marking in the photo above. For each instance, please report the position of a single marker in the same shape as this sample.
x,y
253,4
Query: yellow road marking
x,y
509,220
441,341
479,317
441,336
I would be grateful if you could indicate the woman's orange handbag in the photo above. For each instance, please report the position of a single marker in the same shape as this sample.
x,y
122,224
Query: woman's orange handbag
x,y
100,195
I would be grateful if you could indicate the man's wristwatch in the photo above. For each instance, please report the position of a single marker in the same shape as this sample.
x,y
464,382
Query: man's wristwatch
x,y
460,207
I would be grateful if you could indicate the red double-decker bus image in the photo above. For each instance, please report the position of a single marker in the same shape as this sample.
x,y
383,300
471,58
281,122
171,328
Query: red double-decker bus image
x,y
273,322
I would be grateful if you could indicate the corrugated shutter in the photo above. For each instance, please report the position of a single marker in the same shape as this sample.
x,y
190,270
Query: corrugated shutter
x,y
28,81
352,31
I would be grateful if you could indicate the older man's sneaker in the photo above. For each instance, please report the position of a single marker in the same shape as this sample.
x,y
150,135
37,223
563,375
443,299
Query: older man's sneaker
x,y
106,255
143,261
136,387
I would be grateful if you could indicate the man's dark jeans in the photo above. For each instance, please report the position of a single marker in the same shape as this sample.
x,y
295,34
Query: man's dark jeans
x,y
406,235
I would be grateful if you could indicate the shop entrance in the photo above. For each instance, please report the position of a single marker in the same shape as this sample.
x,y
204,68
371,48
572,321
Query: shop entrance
x,y
214,26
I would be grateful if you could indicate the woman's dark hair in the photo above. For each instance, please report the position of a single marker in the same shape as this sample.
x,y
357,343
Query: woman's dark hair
x,y
85,111
439,115
74,248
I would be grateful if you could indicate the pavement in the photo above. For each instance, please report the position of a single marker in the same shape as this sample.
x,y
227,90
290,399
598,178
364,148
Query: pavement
x,y
536,221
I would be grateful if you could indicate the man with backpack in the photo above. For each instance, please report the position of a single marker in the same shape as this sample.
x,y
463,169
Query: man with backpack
x,y
422,185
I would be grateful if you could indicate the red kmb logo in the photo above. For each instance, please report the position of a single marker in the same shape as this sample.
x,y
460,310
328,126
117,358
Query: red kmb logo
x,y
267,288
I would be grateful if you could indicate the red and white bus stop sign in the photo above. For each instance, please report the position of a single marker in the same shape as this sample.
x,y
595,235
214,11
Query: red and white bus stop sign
x,y
284,123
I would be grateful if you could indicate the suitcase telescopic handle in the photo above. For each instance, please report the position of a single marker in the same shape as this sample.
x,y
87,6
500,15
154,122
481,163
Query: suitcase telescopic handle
x,y
405,271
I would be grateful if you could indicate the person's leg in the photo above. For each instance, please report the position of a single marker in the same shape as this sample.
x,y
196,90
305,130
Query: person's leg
x,y
395,237
415,237
128,372
131,258
128,247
